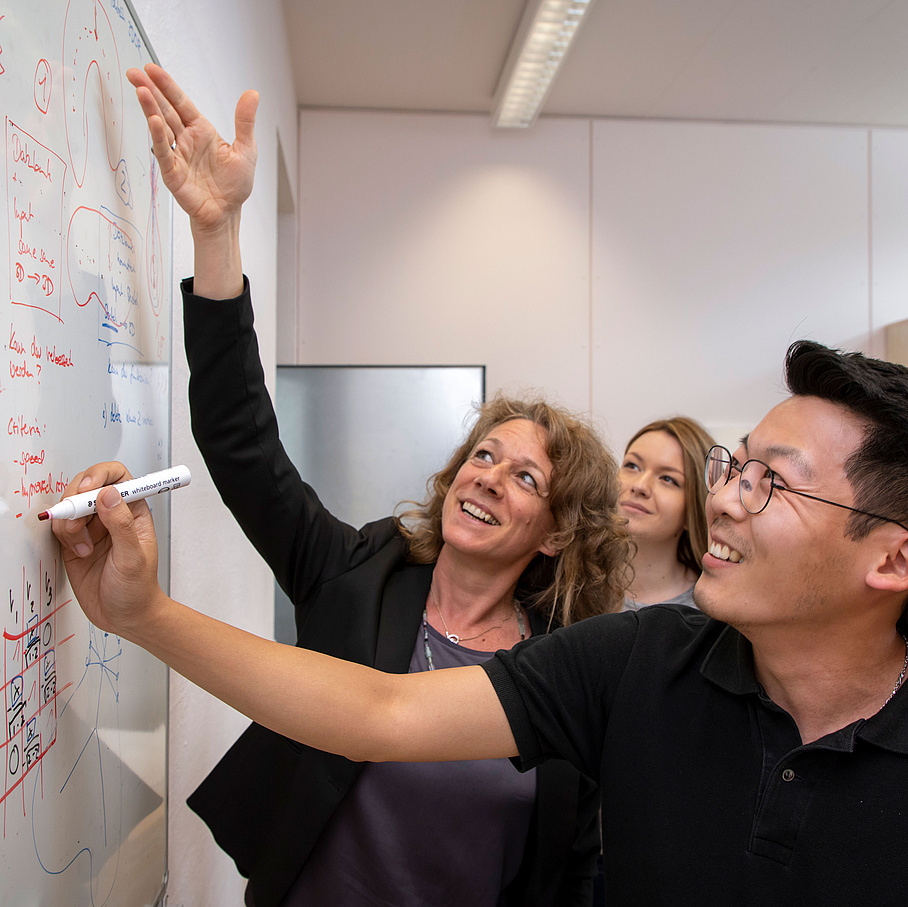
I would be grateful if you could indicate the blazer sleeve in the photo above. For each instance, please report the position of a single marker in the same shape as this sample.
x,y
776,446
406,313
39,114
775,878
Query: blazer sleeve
x,y
235,427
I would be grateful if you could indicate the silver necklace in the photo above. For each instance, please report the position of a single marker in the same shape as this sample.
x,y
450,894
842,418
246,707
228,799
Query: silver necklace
x,y
898,683
425,632
457,640
425,637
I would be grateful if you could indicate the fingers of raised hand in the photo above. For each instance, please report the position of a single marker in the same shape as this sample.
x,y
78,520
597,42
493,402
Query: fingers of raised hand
x,y
176,107
244,117
162,140
162,137
164,121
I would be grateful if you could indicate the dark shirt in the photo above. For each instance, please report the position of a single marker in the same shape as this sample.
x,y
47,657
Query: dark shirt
x,y
449,834
708,795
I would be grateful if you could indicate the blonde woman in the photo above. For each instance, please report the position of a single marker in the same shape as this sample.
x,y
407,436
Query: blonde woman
x,y
663,497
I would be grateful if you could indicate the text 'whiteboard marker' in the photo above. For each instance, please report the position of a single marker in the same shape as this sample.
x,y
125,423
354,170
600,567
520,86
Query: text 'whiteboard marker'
x,y
80,505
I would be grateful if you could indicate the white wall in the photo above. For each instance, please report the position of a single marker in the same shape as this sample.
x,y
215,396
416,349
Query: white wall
x,y
889,265
631,269
440,242
216,49
714,247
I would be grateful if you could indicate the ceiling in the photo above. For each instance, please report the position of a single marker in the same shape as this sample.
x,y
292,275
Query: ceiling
x,y
777,61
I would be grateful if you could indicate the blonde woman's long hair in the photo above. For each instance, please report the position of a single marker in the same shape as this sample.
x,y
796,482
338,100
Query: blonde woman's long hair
x,y
695,443
590,573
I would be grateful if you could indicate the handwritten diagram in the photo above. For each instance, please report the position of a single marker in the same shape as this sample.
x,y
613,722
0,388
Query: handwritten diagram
x,y
29,676
35,179
84,377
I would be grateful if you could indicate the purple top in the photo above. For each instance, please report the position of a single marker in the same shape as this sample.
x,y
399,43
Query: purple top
x,y
439,833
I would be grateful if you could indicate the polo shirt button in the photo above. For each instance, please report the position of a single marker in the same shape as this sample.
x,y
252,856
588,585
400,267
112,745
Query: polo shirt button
x,y
788,775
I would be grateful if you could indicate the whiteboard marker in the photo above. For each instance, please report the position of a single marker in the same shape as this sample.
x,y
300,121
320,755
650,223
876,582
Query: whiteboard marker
x,y
132,490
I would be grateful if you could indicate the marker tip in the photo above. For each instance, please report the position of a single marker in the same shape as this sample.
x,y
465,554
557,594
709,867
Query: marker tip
x,y
44,515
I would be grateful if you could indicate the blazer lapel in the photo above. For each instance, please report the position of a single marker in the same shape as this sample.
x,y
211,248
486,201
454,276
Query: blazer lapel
x,y
403,601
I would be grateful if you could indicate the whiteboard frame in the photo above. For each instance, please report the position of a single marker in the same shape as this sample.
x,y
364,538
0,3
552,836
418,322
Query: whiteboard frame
x,y
162,891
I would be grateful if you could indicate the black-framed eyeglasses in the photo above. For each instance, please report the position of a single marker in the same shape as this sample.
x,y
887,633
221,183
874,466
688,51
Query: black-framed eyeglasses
x,y
757,481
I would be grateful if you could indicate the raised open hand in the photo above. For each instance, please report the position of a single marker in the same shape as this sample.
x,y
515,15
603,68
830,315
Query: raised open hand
x,y
209,178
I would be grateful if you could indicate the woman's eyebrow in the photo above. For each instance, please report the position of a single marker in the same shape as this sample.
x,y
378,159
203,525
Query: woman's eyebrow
x,y
523,461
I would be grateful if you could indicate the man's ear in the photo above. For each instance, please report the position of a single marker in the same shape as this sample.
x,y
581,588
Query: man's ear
x,y
890,571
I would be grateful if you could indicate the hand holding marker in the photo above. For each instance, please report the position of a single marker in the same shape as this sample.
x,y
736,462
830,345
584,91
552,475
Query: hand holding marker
x,y
80,505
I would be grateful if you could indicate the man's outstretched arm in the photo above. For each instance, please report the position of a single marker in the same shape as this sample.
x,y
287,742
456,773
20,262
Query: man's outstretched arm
x,y
332,705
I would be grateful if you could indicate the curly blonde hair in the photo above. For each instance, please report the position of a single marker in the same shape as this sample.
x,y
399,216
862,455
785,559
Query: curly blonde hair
x,y
591,570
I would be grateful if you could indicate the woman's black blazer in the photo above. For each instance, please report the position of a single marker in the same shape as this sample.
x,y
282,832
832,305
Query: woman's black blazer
x,y
357,598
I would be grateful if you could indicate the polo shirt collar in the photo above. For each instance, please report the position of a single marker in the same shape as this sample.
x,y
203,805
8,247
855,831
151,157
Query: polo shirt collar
x,y
730,665
889,727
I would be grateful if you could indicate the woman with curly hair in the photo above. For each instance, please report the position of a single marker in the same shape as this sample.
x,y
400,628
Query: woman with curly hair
x,y
586,572
520,534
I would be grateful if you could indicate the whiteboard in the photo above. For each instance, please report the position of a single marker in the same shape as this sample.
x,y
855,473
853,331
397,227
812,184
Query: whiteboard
x,y
85,277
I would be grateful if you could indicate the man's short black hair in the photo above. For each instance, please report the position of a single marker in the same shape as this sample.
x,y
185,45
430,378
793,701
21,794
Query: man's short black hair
x,y
877,393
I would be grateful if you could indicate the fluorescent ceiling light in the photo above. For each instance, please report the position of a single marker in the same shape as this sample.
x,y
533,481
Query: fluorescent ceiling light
x,y
545,33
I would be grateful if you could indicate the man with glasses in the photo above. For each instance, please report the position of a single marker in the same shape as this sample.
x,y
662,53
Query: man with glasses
x,y
752,753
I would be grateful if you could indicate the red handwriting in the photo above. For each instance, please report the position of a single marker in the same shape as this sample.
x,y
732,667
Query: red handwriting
x,y
37,254
42,86
19,426
48,485
64,360
23,154
21,215
43,281
50,354
30,695
21,371
27,459
14,344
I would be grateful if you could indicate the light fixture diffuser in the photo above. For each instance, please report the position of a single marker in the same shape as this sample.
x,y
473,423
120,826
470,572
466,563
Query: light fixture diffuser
x,y
545,33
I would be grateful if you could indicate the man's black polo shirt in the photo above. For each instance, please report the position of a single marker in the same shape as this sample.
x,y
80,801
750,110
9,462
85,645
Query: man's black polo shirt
x,y
708,797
